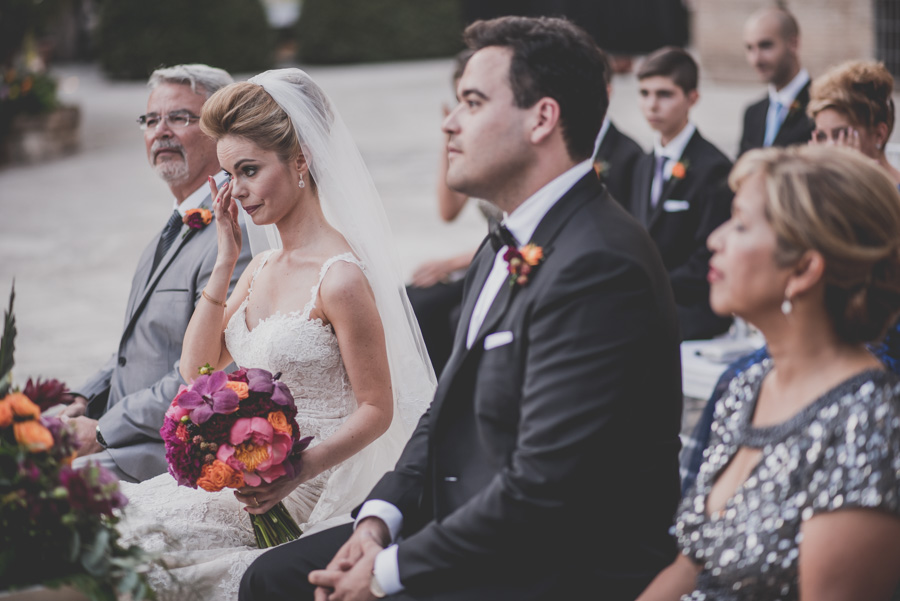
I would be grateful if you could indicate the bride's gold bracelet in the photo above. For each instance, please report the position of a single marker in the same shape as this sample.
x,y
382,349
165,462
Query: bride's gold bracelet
x,y
212,300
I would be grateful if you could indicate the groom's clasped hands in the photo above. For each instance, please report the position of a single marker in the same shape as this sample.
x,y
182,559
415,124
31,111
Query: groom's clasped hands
x,y
349,574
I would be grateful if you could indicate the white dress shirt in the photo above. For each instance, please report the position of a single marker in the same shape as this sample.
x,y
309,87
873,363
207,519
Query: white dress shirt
x,y
199,195
780,102
522,223
602,134
672,151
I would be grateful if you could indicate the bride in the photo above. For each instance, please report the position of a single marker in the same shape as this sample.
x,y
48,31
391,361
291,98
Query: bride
x,y
324,305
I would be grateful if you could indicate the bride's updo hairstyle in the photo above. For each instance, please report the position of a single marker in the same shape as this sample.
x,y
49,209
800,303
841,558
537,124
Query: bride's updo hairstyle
x,y
839,203
246,110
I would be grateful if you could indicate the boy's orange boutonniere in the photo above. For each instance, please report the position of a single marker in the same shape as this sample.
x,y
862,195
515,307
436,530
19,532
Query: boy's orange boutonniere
x,y
679,169
521,261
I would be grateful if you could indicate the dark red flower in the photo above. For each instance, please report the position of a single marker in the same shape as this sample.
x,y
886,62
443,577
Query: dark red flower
x,y
48,393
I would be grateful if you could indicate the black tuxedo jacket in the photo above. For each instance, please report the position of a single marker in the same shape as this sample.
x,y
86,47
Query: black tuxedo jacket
x,y
547,465
689,210
615,161
796,129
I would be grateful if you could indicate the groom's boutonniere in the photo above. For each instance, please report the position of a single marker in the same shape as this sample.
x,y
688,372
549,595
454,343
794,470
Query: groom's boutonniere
x,y
601,168
679,169
521,261
795,106
196,219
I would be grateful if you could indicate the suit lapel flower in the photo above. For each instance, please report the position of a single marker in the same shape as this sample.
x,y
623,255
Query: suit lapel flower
x,y
601,168
679,169
521,262
196,219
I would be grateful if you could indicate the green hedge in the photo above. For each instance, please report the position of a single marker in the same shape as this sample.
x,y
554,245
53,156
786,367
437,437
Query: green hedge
x,y
134,37
350,31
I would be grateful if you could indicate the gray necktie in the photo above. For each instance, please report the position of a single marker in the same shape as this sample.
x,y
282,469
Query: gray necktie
x,y
173,226
658,180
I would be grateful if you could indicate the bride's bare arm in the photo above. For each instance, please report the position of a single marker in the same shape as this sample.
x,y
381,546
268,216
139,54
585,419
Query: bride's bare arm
x,y
204,339
347,302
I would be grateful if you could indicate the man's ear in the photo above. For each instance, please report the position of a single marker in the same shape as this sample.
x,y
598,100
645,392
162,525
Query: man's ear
x,y
693,96
546,119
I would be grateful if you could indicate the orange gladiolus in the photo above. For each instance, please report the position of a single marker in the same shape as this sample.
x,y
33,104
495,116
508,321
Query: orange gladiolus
x,y
280,422
22,406
33,435
241,388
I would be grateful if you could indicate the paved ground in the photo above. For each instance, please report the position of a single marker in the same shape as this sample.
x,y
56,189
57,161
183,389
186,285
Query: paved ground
x,y
71,230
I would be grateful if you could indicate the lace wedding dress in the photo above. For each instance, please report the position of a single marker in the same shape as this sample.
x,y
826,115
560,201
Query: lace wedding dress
x,y
206,538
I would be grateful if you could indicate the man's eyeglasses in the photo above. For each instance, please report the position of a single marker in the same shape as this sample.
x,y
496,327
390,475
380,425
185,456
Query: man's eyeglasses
x,y
176,119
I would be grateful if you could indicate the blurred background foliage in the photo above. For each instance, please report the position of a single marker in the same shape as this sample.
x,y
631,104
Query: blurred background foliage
x,y
134,37
352,31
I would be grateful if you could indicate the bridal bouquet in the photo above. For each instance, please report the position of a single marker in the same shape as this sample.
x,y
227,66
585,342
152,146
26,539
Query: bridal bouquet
x,y
232,430
57,524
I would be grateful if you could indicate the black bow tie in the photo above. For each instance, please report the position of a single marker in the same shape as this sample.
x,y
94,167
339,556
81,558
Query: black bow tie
x,y
500,237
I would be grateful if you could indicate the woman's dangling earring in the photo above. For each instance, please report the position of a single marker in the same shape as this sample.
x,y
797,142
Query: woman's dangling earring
x,y
787,306
302,183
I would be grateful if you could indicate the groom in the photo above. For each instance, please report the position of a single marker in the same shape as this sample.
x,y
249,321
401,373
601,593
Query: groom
x,y
546,466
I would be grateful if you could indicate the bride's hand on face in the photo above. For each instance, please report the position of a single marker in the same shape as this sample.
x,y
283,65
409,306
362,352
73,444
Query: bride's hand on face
x,y
228,228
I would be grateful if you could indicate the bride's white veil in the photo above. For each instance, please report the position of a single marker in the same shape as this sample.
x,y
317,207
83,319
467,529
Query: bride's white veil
x,y
351,204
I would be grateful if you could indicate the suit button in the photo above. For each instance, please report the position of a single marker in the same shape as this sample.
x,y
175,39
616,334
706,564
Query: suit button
x,y
122,361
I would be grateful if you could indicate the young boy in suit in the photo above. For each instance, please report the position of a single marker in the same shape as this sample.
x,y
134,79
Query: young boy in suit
x,y
680,189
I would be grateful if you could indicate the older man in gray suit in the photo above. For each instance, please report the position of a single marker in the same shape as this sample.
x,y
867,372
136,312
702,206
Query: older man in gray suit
x,y
120,409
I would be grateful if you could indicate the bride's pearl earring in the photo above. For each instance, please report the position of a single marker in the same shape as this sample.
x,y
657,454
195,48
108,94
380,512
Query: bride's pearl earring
x,y
302,183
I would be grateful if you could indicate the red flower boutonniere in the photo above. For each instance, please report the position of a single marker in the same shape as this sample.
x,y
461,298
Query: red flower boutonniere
x,y
679,169
196,219
521,261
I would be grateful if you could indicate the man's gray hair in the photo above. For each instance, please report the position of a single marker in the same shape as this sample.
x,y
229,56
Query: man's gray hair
x,y
201,78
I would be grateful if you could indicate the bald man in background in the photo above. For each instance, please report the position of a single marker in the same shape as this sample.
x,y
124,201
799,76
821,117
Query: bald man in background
x,y
772,42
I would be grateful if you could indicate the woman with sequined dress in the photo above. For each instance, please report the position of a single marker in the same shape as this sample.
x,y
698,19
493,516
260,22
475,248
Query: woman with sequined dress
x,y
799,493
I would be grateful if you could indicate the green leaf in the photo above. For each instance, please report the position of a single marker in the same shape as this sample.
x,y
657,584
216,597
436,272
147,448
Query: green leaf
x,y
7,345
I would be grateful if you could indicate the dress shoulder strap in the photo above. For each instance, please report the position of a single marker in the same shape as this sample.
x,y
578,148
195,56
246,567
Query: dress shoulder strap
x,y
345,257
259,267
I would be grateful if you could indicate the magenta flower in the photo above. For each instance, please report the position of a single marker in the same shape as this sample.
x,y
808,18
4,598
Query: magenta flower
x,y
207,396
257,449
260,380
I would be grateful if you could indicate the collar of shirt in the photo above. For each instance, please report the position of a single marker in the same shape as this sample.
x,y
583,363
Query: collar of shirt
x,y
603,129
675,148
524,220
199,195
788,93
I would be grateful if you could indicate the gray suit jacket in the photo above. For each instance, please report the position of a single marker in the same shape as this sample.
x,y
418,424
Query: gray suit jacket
x,y
131,393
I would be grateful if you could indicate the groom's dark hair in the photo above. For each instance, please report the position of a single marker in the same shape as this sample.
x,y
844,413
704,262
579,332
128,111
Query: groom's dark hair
x,y
552,58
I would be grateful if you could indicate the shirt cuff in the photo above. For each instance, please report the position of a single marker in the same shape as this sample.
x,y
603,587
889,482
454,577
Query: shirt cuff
x,y
387,570
387,513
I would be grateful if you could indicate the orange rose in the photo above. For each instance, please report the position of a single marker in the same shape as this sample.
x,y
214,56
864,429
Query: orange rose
x,y
280,422
192,216
217,475
33,436
6,415
678,170
242,390
22,406
532,254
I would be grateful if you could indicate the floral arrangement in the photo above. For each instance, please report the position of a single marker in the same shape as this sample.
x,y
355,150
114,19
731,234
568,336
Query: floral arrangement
x,y
521,262
232,430
57,523
197,218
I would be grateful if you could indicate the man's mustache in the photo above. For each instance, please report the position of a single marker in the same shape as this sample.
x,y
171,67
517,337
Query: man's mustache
x,y
166,145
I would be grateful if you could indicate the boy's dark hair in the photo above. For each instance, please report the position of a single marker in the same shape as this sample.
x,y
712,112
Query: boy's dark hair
x,y
552,58
674,63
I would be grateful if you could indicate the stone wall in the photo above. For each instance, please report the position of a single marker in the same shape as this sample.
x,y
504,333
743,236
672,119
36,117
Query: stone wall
x,y
831,31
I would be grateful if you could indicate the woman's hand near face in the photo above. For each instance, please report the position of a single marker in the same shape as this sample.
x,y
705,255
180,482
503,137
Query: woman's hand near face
x,y
228,228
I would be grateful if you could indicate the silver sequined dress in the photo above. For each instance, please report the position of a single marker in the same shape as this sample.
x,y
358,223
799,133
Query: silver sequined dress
x,y
841,451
